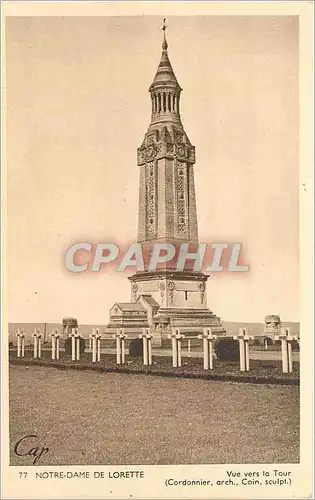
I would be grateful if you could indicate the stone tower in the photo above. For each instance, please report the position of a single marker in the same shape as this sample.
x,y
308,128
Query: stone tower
x,y
167,205
167,213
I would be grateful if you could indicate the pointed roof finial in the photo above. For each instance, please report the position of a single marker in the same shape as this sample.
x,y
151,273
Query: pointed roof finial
x,y
165,74
164,45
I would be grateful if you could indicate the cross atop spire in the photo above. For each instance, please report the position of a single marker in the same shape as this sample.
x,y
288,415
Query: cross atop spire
x,y
164,27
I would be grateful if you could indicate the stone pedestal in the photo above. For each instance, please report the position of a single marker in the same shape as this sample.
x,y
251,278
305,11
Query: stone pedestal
x,y
182,300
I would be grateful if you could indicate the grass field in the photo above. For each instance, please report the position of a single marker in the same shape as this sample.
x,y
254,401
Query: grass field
x,y
106,418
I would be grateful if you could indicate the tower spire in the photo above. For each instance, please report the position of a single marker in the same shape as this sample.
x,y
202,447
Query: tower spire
x,y
165,89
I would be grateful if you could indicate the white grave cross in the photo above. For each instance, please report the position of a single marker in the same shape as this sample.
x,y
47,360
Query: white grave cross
x,y
120,346
147,346
95,338
20,343
37,343
55,343
208,339
286,349
243,339
75,344
176,348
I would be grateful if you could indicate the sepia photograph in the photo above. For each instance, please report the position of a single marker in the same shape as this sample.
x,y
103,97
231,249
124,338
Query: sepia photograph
x,y
153,296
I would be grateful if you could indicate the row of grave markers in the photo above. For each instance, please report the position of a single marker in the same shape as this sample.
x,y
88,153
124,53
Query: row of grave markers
x,y
176,338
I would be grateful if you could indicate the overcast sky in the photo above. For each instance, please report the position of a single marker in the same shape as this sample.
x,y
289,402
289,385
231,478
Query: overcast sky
x,y
77,109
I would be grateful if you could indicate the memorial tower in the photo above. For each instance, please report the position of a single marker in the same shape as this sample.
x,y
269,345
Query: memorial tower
x,y
167,214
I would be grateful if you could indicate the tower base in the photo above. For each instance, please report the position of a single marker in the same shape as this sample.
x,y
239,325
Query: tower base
x,y
165,300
